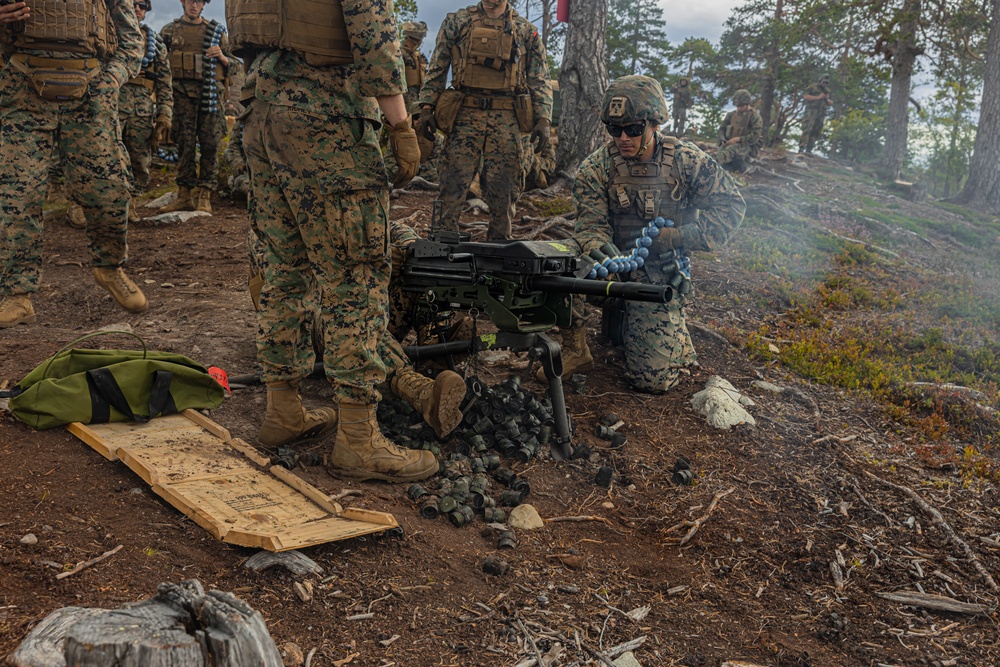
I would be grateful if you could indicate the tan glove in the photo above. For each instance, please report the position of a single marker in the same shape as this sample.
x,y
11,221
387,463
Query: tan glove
x,y
670,238
404,147
161,131
540,134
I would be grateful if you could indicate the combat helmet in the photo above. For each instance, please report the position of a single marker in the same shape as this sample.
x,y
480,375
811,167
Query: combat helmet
x,y
415,29
634,98
742,96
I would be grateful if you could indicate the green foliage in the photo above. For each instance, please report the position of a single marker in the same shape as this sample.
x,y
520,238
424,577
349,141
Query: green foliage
x,y
857,135
406,10
637,39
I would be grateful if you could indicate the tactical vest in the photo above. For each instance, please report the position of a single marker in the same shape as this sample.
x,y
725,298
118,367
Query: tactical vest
x,y
738,124
187,51
638,192
489,57
315,29
415,68
73,26
147,74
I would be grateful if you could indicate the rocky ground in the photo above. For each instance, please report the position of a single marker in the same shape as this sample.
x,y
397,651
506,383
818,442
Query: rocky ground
x,y
792,546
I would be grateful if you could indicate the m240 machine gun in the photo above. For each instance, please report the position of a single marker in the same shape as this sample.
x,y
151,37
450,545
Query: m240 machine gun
x,y
524,287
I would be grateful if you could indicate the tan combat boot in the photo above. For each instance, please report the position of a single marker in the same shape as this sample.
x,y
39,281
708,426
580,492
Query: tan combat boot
x,y
438,400
126,293
287,420
203,200
184,202
362,452
16,309
75,216
576,355
133,214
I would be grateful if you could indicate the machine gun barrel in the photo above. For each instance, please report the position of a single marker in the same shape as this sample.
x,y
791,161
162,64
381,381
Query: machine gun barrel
x,y
627,291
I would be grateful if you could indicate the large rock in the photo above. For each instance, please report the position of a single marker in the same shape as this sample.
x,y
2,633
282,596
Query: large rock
x,y
722,404
525,517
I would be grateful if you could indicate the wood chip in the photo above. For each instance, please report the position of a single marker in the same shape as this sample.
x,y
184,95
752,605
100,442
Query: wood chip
x,y
936,602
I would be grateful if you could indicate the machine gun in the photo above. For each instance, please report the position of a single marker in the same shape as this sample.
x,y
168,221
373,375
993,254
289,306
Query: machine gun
x,y
524,287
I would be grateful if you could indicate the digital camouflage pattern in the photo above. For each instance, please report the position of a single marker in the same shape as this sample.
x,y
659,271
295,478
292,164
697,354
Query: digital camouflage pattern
x,y
320,203
487,142
538,167
657,343
815,115
748,126
82,137
138,108
682,102
197,132
414,63
633,98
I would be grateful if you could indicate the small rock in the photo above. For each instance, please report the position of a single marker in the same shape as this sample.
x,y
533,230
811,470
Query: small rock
x,y
608,505
291,655
740,663
767,386
525,517
627,659
162,201
720,403
29,539
175,218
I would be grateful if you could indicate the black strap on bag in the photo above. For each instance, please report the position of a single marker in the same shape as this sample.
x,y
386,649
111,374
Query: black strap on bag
x,y
105,393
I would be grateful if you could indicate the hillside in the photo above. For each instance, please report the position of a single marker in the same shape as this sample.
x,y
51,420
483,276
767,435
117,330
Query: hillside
x,y
856,482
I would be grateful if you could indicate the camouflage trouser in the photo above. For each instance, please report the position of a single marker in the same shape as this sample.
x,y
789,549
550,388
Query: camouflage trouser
x,y
680,120
402,305
734,156
137,135
493,138
319,237
657,342
812,127
195,129
82,137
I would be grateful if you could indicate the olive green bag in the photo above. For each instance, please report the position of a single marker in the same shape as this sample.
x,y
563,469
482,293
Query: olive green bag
x,y
99,386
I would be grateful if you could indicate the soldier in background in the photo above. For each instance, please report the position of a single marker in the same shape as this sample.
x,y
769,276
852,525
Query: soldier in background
x,y
59,105
319,202
199,64
682,102
817,99
145,106
499,91
741,134
617,193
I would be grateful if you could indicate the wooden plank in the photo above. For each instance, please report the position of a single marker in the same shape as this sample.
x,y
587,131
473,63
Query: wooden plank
x,y
215,480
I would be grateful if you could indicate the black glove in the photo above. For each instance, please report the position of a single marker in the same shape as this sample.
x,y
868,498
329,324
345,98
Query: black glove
x,y
428,126
540,134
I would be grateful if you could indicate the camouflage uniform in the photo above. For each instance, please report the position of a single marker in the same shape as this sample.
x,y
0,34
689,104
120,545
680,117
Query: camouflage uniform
x,y
682,102
748,126
198,127
144,97
414,63
320,201
80,135
815,114
538,167
486,137
657,342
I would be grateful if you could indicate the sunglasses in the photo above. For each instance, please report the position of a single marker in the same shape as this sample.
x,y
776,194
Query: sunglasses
x,y
634,130
144,6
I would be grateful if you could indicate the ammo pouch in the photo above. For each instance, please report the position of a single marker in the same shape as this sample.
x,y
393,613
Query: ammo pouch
x,y
57,79
525,113
446,109
100,386
613,321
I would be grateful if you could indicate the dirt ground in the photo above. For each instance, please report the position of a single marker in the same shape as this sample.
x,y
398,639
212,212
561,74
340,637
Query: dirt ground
x,y
805,495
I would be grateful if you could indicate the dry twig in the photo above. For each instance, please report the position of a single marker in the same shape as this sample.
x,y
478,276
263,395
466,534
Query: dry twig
x,y
693,526
87,563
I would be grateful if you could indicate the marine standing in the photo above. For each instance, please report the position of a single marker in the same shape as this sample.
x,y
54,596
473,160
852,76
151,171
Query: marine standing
x,y
200,59
59,106
319,202
145,105
817,99
639,175
741,134
499,91
682,102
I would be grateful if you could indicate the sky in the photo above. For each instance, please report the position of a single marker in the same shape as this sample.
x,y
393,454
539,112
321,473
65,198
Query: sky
x,y
703,20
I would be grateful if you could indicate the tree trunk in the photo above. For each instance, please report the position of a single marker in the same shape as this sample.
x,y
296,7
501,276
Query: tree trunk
x,y
905,52
983,187
582,82
767,94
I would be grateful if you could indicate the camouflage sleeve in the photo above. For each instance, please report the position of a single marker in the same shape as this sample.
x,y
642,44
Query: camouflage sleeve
x,y
127,59
167,35
538,75
378,64
590,194
710,189
755,132
401,234
227,51
437,68
162,86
